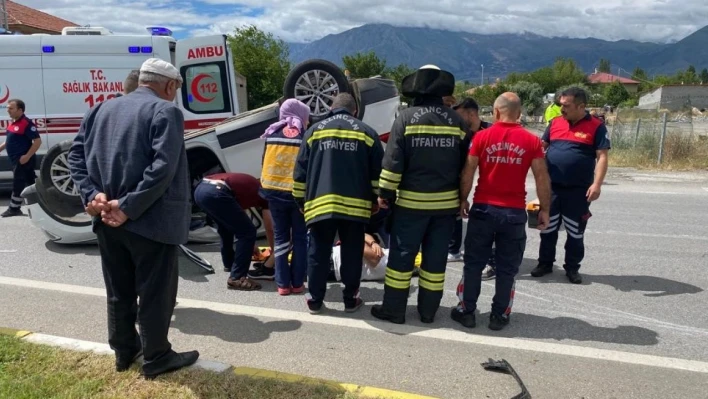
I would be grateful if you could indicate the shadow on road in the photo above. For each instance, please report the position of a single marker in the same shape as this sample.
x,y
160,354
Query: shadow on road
x,y
87,249
565,328
228,327
654,286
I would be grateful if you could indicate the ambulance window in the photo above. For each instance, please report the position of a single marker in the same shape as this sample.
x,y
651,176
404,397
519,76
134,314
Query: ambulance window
x,y
204,88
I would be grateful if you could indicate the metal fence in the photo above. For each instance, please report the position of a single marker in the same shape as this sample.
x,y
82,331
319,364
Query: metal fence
x,y
657,133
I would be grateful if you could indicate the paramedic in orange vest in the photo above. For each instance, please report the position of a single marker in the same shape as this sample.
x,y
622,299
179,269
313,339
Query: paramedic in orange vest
x,y
282,143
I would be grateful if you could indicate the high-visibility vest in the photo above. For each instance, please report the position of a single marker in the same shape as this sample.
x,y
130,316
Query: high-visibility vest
x,y
280,155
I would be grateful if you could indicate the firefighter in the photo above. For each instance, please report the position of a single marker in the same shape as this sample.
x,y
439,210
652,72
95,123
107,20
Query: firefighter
x,y
336,182
22,142
282,143
576,154
421,180
504,153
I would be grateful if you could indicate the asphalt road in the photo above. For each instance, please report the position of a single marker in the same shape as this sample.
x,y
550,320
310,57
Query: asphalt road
x,y
636,327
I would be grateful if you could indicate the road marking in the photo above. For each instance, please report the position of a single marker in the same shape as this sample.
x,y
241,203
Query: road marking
x,y
705,188
652,235
370,325
7,251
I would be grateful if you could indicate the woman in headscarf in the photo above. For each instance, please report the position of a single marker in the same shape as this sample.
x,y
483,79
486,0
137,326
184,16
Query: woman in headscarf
x,y
282,143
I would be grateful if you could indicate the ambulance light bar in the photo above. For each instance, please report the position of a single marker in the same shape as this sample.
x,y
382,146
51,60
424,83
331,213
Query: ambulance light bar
x,y
159,31
138,49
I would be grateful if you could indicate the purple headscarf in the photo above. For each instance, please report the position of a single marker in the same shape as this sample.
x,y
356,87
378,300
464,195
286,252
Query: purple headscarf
x,y
293,114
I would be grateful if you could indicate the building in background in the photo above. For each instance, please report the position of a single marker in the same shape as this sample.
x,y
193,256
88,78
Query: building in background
x,y
602,78
675,97
25,20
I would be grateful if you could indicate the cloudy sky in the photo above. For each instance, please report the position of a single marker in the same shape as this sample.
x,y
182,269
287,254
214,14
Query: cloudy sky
x,y
307,20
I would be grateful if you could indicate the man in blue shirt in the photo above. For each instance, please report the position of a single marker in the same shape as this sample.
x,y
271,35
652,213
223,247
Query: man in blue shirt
x,y
21,143
577,147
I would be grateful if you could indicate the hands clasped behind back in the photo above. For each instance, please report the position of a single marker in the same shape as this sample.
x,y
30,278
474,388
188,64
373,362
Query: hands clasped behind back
x,y
110,212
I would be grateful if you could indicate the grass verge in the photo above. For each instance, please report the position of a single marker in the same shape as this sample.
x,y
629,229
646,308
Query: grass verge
x,y
680,153
30,371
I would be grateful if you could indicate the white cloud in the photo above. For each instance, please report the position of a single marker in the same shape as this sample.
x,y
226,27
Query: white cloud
x,y
306,20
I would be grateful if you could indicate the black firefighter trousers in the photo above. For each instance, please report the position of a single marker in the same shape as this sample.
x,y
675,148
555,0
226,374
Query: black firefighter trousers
x,y
411,232
135,266
322,235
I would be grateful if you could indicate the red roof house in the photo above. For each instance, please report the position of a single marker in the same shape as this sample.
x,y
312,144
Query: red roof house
x,y
603,78
26,20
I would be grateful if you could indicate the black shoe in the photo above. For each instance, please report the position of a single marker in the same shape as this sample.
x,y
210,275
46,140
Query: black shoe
x,y
357,304
497,322
574,277
10,212
541,270
466,319
314,307
380,313
261,272
123,364
427,319
172,362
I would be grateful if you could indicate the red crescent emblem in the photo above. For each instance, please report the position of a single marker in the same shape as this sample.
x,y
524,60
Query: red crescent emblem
x,y
290,132
195,88
7,95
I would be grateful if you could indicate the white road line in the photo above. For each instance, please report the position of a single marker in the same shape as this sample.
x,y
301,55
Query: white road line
x,y
7,251
442,334
652,235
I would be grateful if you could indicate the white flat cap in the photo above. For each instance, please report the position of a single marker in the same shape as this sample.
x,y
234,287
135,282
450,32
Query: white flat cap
x,y
160,67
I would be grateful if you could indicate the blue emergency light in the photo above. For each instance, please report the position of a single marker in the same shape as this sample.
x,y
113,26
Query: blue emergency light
x,y
159,31
133,49
146,49
47,49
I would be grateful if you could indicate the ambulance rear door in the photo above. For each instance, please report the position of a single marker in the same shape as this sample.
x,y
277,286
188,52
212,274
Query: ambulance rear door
x,y
208,94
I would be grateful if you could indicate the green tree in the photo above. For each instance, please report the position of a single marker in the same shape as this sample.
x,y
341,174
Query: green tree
x,y
704,76
485,95
604,65
567,72
364,65
615,93
263,60
640,76
531,95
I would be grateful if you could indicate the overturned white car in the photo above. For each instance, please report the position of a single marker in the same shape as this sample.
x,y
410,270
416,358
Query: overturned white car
x,y
233,145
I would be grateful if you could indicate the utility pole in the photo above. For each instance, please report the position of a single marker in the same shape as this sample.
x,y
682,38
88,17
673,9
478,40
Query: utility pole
x,y
4,15
482,71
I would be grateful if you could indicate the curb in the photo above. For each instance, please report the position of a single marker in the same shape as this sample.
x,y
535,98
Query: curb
x,y
217,367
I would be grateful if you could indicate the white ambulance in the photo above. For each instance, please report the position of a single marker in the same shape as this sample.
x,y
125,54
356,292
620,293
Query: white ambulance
x,y
59,77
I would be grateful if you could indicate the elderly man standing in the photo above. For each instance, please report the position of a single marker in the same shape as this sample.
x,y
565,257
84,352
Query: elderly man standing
x,y
130,164
577,147
504,153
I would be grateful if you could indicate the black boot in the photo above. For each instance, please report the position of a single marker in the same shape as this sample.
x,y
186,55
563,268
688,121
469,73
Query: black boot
x,y
541,270
381,313
123,362
466,319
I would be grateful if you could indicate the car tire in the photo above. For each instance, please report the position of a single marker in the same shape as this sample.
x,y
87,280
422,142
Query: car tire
x,y
56,164
327,75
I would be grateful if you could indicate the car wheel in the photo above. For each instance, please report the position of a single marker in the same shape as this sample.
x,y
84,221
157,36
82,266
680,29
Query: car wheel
x,y
54,172
316,83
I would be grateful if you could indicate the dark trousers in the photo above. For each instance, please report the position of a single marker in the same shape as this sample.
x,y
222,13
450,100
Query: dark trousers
x,y
569,205
22,176
220,204
456,242
135,266
505,228
289,232
322,235
412,232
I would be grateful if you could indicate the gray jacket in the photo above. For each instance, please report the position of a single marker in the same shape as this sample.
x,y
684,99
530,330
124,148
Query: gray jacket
x,y
132,149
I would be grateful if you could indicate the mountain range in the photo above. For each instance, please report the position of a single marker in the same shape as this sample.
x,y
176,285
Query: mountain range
x,y
464,53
